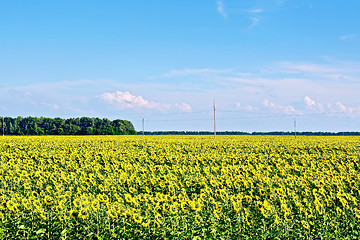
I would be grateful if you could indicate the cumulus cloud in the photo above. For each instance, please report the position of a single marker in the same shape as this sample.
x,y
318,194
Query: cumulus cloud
x,y
246,107
311,104
184,107
344,108
125,100
278,107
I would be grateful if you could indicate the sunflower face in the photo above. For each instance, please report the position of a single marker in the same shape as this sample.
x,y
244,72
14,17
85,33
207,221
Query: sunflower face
x,y
74,214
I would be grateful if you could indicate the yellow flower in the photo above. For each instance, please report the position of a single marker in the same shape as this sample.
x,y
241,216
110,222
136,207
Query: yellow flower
x,y
357,212
216,213
74,214
83,213
59,208
305,224
146,222
198,219
48,200
128,197
37,203
137,218
288,217
159,219
49,189
95,205
338,211
174,208
267,205
34,194
184,206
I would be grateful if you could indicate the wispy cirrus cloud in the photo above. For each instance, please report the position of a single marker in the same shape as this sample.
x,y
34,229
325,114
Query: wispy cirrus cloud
x,y
200,71
254,22
221,9
256,10
334,71
348,36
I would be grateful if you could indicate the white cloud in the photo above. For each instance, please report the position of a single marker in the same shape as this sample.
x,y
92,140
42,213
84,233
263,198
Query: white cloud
x,y
189,72
311,104
220,8
278,107
247,107
127,100
347,36
184,107
254,22
344,108
257,10
305,68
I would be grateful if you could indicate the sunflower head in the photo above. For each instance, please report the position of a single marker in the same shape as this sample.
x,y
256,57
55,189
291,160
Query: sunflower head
x,y
74,214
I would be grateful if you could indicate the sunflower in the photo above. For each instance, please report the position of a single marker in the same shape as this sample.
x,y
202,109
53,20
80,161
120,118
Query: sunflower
x,y
132,190
357,212
174,208
128,197
59,208
305,224
112,213
267,205
49,189
288,217
34,194
83,213
338,211
74,214
48,200
11,205
37,203
146,222
198,219
27,186
216,214
76,202
159,219
137,218
95,205
128,214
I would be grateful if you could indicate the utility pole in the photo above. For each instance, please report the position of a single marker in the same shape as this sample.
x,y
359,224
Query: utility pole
x,y
214,121
295,127
143,123
3,127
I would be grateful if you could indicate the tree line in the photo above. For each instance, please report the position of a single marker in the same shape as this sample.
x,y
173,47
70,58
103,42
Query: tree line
x,y
60,126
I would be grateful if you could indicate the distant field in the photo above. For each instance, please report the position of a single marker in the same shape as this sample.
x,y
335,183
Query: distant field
x,y
187,187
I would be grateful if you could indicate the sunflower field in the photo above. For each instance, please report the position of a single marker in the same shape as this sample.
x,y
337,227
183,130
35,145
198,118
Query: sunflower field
x,y
182,187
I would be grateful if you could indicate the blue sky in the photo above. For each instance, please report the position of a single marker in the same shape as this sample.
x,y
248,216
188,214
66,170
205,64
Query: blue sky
x,y
265,62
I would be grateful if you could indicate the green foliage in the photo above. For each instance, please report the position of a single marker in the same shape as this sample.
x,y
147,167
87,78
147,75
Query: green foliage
x,y
59,126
